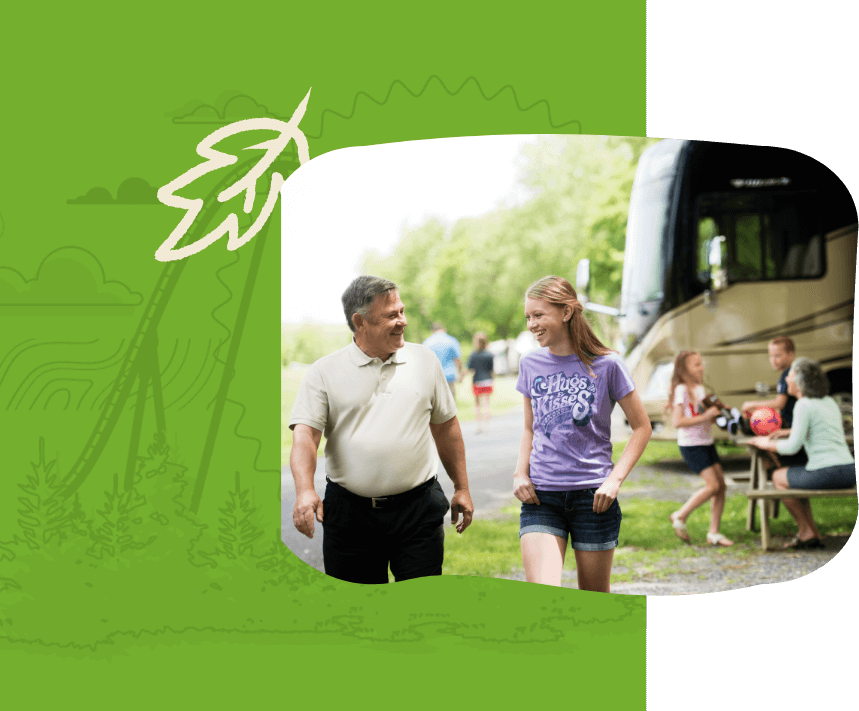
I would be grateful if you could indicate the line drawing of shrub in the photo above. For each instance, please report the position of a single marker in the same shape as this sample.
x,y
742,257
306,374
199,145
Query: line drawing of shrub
x,y
45,515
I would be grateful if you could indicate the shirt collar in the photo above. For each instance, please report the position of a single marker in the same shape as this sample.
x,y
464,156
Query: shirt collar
x,y
360,358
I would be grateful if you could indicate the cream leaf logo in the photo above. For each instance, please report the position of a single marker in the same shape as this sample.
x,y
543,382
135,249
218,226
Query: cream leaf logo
x,y
216,160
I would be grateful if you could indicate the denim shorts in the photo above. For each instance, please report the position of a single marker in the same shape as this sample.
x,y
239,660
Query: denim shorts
x,y
841,476
570,514
700,456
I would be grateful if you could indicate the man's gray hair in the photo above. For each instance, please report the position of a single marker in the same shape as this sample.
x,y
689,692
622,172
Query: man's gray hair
x,y
360,294
810,378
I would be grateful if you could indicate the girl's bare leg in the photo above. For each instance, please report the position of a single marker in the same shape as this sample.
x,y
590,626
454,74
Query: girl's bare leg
x,y
714,488
485,401
710,489
543,557
594,569
715,479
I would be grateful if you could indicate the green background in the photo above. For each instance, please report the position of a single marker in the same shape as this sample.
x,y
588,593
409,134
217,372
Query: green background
x,y
140,508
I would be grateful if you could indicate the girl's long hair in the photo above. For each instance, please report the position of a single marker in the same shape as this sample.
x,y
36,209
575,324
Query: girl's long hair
x,y
557,290
681,376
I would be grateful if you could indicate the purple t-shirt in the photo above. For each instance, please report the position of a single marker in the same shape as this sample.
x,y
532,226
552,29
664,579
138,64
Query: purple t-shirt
x,y
572,417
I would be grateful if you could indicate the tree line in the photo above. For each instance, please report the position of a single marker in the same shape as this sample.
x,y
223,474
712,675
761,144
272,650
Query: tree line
x,y
472,275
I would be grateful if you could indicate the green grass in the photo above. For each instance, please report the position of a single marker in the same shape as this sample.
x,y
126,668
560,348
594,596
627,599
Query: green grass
x,y
648,545
662,450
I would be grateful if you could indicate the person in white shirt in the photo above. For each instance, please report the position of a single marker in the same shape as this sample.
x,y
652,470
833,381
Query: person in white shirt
x,y
693,423
388,416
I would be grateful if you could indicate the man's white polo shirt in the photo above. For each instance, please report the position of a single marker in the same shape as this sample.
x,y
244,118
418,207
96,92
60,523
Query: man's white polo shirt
x,y
376,416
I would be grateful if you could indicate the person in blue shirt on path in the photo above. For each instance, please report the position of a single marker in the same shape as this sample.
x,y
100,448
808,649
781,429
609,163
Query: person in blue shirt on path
x,y
819,429
447,349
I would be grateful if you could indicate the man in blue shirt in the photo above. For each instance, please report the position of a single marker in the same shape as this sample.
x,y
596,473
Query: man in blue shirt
x,y
447,349
782,354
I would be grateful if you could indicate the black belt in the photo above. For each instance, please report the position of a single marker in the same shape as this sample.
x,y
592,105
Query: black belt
x,y
384,502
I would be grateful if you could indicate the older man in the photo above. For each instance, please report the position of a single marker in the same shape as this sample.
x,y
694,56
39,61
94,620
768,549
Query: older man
x,y
385,408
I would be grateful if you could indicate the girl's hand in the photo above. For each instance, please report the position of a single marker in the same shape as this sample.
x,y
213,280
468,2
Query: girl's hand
x,y
604,496
524,490
711,413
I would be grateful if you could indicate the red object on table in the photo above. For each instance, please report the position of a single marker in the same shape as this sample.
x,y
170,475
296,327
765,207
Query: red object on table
x,y
765,421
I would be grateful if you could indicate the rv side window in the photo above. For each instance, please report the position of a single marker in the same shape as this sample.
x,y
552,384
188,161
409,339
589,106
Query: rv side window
x,y
769,235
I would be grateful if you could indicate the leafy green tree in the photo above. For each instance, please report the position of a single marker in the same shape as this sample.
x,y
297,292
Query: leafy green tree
x,y
473,276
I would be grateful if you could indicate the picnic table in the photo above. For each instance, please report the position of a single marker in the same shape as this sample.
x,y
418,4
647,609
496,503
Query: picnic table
x,y
762,491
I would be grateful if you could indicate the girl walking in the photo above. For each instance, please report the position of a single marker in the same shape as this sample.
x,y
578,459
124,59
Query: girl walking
x,y
480,363
693,424
564,476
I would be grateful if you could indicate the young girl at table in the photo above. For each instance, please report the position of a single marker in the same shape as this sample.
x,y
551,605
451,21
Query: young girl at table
x,y
564,476
693,423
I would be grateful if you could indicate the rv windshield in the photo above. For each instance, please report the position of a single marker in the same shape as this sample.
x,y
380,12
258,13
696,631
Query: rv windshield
x,y
769,235
648,237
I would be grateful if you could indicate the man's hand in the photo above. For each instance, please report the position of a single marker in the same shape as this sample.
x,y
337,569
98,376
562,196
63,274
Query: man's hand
x,y
302,462
451,451
307,506
604,496
460,503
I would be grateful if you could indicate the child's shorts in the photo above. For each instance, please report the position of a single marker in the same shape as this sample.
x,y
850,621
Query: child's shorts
x,y
484,387
570,514
700,456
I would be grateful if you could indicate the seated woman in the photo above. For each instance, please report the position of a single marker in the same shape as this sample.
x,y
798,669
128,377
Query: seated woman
x,y
818,427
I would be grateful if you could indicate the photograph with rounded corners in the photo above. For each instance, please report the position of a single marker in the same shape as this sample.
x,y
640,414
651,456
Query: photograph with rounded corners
x,y
606,363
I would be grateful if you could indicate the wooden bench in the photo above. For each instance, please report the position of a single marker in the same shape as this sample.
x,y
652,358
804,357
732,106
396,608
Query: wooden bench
x,y
762,491
769,496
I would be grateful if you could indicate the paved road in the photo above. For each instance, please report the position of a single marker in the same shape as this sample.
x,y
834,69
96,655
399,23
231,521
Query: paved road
x,y
490,461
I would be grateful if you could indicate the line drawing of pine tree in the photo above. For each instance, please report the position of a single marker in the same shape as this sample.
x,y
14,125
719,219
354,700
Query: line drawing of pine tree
x,y
119,517
79,524
283,566
190,523
158,472
238,531
7,555
45,515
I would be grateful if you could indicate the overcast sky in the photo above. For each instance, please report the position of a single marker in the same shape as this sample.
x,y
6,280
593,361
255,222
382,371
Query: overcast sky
x,y
342,203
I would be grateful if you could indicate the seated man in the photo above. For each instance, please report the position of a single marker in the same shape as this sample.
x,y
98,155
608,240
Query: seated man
x,y
782,355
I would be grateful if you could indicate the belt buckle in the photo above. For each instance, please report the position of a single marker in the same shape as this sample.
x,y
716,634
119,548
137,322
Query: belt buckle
x,y
378,498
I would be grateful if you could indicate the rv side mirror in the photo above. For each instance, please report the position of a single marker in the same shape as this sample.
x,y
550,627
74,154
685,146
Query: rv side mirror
x,y
583,275
718,274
